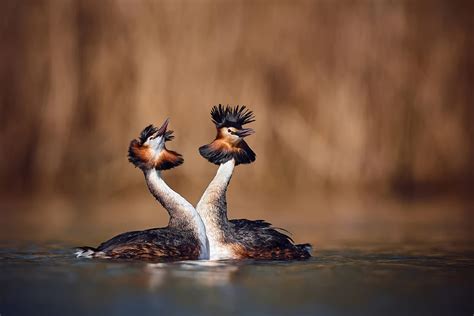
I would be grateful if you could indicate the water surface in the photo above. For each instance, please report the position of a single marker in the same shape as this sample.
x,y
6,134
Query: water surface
x,y
48,280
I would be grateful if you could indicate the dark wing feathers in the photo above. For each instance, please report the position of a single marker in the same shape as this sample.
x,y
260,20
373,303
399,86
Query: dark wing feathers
x,y
122,239
162,243
262,241
260,230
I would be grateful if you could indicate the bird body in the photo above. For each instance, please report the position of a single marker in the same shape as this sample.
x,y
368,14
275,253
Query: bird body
x,y
241,238
169,243
184,237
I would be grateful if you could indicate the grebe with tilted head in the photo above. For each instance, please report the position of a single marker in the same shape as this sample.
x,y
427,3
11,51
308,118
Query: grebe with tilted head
x,y
238,238
185,236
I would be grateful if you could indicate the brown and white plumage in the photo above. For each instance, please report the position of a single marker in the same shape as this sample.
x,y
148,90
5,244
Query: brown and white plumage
x,y
242,238
184,237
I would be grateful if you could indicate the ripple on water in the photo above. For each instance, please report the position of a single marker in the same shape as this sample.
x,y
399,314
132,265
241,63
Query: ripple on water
x,y
49,279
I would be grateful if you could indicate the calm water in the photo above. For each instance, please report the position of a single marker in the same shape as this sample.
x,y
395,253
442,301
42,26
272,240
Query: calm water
x,y
48,280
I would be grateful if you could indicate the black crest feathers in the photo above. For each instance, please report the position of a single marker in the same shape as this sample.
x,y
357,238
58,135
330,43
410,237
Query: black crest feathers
x,y
229,116
150,130
169,136
147,132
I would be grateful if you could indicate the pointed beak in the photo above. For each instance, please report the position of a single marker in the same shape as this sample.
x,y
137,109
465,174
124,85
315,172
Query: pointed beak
x,y
244,132
161,131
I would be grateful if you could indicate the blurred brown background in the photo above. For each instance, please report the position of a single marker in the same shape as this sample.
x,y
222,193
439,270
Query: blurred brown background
x,y
364,114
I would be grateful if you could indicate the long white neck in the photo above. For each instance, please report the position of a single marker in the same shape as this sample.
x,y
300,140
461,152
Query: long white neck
x,y
213,206
182,214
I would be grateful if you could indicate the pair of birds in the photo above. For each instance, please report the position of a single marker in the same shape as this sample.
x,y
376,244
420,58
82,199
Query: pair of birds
x,y
203,232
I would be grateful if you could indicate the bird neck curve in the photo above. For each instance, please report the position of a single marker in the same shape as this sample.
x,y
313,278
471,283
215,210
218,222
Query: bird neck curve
x,y
213,204
182,214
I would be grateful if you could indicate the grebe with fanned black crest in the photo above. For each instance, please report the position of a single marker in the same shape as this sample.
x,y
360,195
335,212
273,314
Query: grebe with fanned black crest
x,y
238,238
185,236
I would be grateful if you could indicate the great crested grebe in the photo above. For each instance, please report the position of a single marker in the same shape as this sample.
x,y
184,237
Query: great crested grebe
x,y
185,236
238,238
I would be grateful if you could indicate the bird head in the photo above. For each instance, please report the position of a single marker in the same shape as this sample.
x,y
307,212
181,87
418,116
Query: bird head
x,y
229,142
148,151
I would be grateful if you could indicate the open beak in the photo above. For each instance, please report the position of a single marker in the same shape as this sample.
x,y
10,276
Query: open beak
x,y
244,132
162,130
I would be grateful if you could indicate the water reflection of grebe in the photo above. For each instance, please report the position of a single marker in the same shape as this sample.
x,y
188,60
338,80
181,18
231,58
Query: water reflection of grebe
x,y
239,238
185,235
207,273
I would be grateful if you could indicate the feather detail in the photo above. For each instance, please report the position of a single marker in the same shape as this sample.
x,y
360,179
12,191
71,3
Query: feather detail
x,y
219,152
168,159
147,132
139,155
148,245
260,240
236,116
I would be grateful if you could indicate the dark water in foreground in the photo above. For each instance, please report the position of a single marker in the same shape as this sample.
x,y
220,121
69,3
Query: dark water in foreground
x,y
48,280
